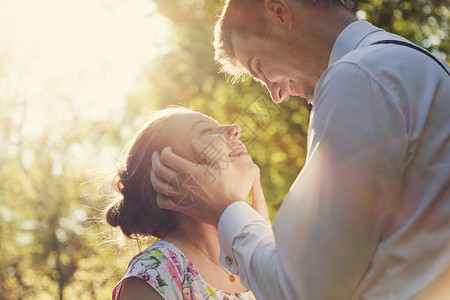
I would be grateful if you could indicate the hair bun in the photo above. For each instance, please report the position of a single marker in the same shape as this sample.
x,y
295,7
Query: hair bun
x,y
113,214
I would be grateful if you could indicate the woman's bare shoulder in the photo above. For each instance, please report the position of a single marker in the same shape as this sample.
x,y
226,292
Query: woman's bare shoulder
x,y
135,288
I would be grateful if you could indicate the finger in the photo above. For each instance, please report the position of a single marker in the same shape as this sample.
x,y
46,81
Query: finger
x,y
176,163
165,179
160,170
159,185
165,202
187,190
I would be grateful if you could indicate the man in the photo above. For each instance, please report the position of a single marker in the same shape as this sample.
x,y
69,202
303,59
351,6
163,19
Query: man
x,y
369,215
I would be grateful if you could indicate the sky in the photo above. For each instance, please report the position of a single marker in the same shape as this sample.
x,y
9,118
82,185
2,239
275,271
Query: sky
x,y
75,56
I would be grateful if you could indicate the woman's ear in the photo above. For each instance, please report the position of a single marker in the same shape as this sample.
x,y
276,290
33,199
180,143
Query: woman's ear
x,y
281,11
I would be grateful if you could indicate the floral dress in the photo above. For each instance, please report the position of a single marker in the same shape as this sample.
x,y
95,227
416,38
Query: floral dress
x,y
165,268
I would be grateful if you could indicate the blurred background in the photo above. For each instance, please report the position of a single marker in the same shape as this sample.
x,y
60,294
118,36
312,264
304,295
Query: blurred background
x,y
78,77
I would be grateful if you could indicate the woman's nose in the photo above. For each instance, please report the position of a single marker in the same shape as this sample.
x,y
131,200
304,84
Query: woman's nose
x,y
232,132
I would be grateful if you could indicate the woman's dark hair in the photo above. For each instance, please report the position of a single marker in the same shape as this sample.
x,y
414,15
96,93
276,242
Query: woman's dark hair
x,y
135,209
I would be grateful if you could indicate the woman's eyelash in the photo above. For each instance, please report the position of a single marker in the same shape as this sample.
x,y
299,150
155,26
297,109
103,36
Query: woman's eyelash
x,y
207,130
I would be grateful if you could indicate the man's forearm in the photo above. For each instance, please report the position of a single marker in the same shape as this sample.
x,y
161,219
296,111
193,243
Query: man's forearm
x,y
248,248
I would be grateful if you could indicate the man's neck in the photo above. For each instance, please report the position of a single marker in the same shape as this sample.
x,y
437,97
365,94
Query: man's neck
x,y
317,29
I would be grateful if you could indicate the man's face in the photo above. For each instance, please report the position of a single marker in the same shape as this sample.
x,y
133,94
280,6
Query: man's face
x,y
268,62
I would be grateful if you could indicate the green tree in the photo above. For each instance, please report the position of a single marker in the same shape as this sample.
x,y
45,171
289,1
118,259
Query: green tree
x,y
52,246
47,200
424,22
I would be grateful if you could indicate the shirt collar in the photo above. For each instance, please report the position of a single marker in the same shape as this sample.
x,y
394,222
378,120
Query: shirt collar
x,y
350,38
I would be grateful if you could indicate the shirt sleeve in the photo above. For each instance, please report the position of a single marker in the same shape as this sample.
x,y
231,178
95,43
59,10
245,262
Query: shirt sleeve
x,y
329,226
340,206
247,247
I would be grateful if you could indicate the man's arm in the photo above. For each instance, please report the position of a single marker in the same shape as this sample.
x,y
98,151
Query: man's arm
x,y
247,247
330,225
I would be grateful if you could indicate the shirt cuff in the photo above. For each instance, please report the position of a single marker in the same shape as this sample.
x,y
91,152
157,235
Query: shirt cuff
x,y
234,218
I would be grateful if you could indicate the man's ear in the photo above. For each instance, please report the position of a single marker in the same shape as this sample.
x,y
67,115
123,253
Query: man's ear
x,y
281,11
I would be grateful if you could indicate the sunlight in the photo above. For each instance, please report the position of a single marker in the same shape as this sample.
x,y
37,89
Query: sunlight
x,y
75,56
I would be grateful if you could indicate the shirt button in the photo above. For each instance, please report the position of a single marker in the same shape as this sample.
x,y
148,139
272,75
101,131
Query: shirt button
x,y
228,260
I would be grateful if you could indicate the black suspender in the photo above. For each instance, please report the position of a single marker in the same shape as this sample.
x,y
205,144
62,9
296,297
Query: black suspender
x,y
401,43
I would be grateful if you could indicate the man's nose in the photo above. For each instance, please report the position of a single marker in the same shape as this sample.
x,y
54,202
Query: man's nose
x,y
275,91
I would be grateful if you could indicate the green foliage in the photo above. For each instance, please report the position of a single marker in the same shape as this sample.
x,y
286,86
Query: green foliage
x,y
52,246
424,22
274,135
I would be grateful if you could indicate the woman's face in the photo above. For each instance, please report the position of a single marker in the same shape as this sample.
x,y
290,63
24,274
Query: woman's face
x,y
222,147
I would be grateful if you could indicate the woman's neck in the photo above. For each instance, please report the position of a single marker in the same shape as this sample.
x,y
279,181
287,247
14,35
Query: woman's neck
x,y
199,234
200,243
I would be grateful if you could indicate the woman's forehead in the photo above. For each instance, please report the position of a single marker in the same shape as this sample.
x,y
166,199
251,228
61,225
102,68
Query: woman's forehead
x,y
186,125
193,118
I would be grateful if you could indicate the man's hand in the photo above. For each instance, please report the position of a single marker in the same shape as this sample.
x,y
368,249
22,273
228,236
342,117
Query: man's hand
x,y
185,187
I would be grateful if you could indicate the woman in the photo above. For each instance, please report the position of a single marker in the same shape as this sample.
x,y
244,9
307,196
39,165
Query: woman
x,y
183,264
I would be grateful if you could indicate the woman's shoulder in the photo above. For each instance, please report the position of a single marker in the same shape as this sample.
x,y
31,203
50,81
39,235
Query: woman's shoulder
x,y
157,256
165,268
161,266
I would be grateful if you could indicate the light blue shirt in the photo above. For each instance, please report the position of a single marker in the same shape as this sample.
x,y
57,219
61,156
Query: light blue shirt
x,y
369,215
